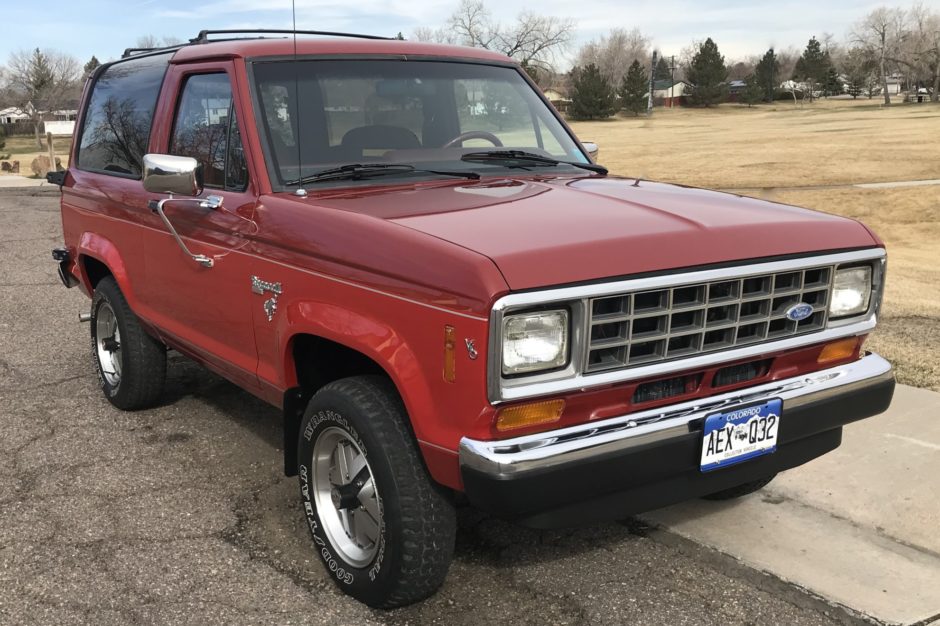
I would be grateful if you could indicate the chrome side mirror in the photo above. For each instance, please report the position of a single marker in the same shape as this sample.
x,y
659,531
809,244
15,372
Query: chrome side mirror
x,y
178,175
591,148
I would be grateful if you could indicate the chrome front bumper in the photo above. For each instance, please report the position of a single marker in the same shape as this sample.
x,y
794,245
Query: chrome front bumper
x,y
532,454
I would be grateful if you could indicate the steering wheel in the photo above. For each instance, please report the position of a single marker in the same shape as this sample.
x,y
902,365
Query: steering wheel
x,y
473,134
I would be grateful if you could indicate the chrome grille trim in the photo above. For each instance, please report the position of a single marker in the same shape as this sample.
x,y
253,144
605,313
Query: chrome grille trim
x,y
634,328
577,297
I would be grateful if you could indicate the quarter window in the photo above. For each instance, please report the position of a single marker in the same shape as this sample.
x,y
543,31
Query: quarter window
x,y
206,130
116,129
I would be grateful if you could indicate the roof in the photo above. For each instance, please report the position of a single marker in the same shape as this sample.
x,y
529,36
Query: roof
x,y
666,83
284,46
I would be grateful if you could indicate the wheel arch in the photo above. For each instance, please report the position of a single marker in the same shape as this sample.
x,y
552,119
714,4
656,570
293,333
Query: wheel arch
x,y
99,257
314,357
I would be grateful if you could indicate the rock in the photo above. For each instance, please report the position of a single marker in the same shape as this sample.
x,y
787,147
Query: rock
x,y
42,166
6,166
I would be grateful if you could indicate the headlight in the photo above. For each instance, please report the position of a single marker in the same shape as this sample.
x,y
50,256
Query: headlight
x,y
535,341
851,291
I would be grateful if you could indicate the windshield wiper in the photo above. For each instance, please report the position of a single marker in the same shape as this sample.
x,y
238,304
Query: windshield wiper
x,y
521,158
359,171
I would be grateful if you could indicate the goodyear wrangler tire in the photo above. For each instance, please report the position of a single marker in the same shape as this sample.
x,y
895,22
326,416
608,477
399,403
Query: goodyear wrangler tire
x,y
130,364
383,529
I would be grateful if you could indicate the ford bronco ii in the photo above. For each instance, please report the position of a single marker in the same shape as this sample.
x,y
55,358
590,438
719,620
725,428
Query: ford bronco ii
x,y
405,248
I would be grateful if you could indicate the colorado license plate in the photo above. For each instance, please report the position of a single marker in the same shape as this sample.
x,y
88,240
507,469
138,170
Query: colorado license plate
x,y
740,434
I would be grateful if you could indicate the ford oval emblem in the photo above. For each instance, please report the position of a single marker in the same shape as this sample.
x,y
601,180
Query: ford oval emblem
x,y
799,311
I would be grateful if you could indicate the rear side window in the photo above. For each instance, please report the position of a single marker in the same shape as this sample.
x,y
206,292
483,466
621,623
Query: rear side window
x,y
116,130
206,130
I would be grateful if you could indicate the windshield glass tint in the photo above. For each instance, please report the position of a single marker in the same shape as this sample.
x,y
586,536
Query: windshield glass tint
x,y
423,113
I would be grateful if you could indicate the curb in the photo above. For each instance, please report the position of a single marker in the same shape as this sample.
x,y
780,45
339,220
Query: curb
x,y
36,190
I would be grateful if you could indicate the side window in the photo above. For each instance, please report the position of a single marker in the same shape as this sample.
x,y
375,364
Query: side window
x,y
206,130
116,130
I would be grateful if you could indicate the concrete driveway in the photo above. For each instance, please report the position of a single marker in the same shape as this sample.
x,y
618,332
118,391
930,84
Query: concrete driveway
x,y
180,514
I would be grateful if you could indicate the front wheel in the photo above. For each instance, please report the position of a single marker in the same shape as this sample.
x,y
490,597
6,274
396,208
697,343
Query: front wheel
x,y
383,529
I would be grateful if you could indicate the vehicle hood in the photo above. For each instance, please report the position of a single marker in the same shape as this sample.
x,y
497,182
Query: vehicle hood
x,y
546,232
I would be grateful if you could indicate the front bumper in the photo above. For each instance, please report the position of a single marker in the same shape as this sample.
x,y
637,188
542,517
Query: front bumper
x,y
645,460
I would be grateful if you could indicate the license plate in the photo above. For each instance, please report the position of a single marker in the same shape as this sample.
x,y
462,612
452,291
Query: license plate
x,y
740,434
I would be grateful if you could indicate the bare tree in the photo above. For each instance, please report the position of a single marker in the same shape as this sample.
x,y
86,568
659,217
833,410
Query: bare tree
x,y
41,82
614,52
921,48
533,39
152,41
434,35
740,70
148,41
787,60
880,33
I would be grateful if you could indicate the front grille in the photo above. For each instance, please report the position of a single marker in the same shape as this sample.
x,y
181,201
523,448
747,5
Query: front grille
x,y
664,324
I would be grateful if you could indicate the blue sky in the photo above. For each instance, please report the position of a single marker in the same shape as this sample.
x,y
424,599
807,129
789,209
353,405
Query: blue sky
x,y
105,27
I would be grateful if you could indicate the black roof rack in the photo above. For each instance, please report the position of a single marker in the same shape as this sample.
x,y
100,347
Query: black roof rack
x,y
130,52
203,36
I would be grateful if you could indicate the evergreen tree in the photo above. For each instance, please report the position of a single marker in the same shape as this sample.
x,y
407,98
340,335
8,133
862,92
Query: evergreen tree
x,y
592,96
855,85
858,68
833,81
767,75
662,71
753,91
812,67
708,74
91,66
633,89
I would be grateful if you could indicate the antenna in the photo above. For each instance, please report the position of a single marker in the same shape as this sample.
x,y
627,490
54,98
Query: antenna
x,y
300,190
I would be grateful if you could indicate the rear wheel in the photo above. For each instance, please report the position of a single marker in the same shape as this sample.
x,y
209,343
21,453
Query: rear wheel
x,y
131,365
383,529
740,490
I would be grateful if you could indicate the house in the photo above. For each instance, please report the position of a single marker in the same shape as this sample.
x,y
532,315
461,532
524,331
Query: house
x,y
735,89
894,84
557,98
11,115
670,93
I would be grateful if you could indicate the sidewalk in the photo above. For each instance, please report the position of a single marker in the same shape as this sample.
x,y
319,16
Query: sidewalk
x,y
859,527
16,180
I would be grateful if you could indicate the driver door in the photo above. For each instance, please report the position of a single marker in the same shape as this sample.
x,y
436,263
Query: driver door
x,y
206,310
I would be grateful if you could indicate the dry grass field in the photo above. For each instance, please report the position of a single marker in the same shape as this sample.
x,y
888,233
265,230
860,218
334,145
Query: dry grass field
x,y
23,149
776,151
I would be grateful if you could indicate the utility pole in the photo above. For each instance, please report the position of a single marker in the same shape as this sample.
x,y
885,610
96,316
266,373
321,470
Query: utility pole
x,y
672,81
773,89
649,101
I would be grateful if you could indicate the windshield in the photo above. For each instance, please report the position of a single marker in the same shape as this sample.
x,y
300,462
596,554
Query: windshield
x,y
428,114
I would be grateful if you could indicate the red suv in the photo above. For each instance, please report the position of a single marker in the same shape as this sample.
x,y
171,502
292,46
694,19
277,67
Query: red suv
x,y
404,247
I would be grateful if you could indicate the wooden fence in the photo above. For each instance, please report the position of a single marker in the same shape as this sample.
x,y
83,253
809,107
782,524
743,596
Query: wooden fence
x,y
19,129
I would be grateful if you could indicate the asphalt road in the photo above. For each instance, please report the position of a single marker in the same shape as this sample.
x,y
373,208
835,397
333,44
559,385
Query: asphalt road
x,y
181,514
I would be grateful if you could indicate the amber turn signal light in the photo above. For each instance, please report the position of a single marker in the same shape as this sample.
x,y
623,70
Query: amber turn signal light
x,y
838,350
524,415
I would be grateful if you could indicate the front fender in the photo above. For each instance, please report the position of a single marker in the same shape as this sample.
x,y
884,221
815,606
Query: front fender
x,y
370,336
